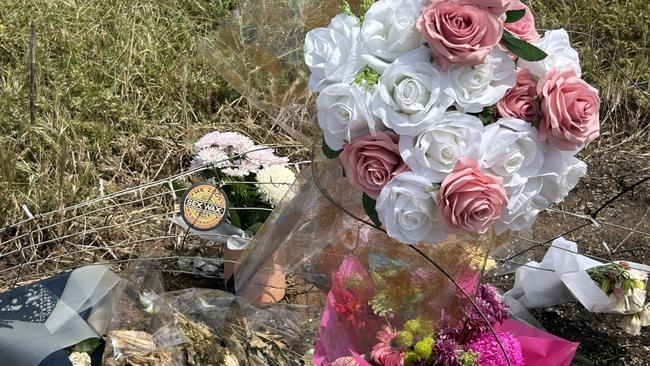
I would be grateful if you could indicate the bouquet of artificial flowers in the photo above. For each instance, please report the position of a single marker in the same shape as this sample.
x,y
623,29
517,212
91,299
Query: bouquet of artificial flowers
x,y
391,304
252,176
451,115
564,275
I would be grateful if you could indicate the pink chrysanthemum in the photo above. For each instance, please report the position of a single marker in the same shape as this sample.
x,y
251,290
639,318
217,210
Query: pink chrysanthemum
x,y
264,156
446,352
491,354
345,361
212,155
246,157
383,352
234,141
490,304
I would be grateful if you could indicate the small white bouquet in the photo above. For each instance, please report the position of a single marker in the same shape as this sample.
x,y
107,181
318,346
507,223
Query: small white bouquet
x,y
565,276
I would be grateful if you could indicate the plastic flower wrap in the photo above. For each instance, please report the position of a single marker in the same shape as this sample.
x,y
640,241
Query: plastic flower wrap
x,y
253,177
398,308
565,275
396,121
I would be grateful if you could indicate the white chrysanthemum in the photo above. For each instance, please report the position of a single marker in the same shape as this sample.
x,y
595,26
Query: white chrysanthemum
x,y
274,182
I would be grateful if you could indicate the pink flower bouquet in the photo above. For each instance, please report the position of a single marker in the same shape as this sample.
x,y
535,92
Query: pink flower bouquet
x,y
362,325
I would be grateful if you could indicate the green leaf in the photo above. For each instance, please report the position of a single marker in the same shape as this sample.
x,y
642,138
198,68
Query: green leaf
x,y
86,346
487,115
514,15
329,153
522,49
235,220
369,206
255,227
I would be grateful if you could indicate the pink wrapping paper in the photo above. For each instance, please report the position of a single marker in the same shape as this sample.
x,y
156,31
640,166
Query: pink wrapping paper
x,y
540,348
337,339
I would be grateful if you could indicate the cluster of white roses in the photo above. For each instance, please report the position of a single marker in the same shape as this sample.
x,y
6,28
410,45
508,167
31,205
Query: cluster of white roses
x,y
411,103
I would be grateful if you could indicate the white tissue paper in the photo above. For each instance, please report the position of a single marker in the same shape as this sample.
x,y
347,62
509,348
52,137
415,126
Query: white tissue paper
x,y
562,277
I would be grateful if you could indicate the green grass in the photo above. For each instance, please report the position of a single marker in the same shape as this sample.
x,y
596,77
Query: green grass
x,y
108,74
122,90
623,29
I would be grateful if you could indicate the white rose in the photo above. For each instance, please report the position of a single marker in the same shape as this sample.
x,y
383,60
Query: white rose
x,y
410,95
343,114
332,53
523,207
558,175
475,87
407,209
435,150
557,45
511,149
389,31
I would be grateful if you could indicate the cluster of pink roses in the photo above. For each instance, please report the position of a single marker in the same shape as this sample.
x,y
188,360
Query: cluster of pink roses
x,y
465,31
444,126
565,106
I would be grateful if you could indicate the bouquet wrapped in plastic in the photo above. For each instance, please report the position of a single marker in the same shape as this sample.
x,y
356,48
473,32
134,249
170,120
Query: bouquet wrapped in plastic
x,y
424,143
564,276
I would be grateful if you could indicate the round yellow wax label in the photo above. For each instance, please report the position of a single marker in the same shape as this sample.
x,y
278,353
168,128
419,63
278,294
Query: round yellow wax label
x,y
204,206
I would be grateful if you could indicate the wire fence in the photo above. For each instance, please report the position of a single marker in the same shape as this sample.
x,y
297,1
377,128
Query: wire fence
x,y
122,226
114,228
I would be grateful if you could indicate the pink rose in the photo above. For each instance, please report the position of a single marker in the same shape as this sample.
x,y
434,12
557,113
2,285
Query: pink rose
x,y
496,7
370,162
570,109
470,200
519,101
459,34
524,28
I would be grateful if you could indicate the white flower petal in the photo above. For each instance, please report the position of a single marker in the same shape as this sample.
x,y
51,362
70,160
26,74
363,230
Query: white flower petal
x,y
557,45
408,210
410,94
332,53
475,87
